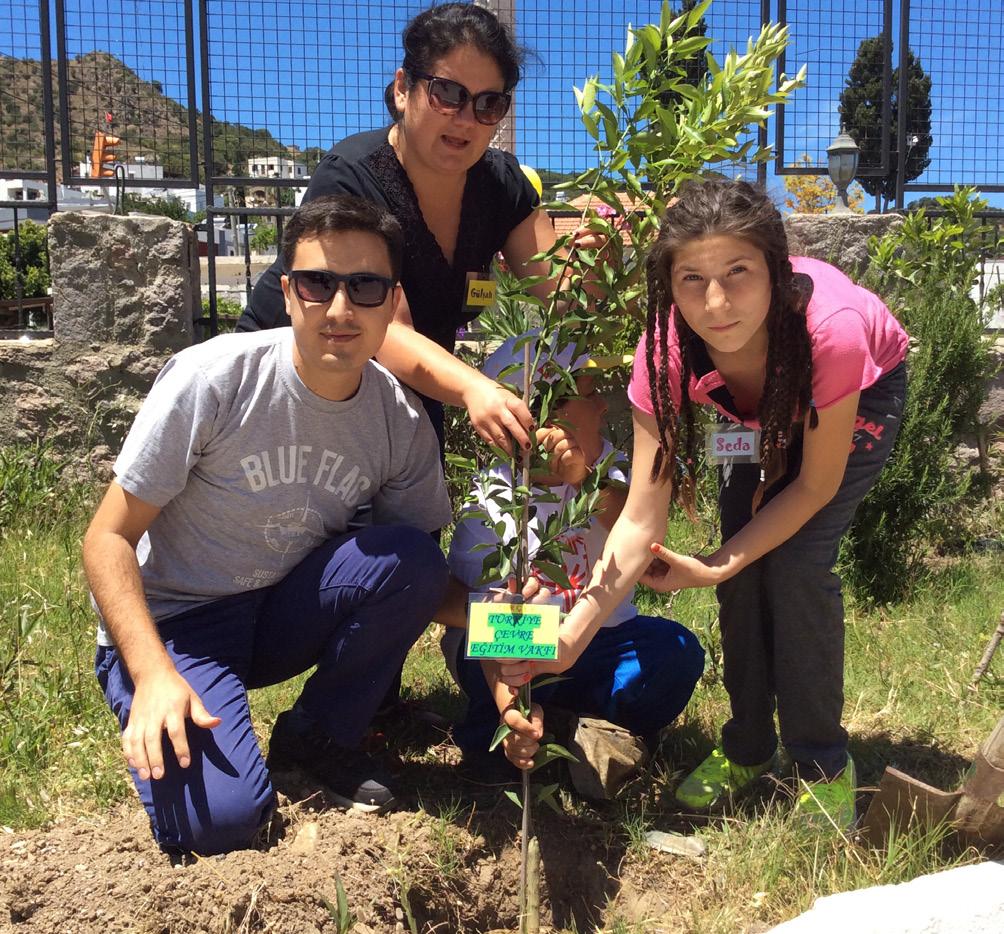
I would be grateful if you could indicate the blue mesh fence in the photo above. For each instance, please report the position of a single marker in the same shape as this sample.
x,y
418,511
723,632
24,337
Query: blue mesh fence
x,y
827,37
961,50
289,79
127,74
23,126
285,80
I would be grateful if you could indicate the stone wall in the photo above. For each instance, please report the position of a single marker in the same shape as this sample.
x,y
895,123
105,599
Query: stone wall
x,y
125,294
840,239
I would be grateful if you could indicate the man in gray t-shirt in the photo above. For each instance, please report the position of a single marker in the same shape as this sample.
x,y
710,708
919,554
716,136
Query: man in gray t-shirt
x,y
220,558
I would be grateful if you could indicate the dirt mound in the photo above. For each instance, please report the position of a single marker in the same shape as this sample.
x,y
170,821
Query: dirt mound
x,y
409,870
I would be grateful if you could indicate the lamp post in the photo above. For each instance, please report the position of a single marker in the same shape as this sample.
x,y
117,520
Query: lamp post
x,y
842,164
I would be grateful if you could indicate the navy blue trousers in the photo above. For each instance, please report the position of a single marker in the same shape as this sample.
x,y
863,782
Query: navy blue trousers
x,y
353,608
638,675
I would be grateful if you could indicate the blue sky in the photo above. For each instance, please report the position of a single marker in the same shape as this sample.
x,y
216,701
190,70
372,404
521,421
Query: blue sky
x,y
314,72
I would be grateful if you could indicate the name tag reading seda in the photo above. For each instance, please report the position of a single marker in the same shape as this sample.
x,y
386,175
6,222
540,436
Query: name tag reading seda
x,y
512,630
734,444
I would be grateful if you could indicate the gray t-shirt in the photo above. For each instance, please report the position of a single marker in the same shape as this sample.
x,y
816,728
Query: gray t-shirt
x,y
253,470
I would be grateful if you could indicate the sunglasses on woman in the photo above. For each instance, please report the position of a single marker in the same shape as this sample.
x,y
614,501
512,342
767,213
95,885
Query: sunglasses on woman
x,y
366,289
450,97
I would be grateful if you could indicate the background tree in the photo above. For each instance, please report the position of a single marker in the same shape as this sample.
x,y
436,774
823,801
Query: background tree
x,y
861,114
34,263
816,194
264,238
932,203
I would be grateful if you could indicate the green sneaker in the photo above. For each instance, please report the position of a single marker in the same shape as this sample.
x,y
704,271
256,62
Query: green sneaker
x,y
717,778
829,804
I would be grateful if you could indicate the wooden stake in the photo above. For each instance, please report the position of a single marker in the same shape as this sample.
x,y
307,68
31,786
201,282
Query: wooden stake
x,y
533,888
995,640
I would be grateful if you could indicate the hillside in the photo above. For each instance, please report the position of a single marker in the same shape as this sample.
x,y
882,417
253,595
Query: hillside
x,y
150,124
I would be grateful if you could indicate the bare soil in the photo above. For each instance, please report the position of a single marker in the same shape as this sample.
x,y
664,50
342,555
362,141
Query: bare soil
x,y
447,861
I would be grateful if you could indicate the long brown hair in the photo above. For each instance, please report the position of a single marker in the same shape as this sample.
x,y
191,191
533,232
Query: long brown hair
x,y
733,208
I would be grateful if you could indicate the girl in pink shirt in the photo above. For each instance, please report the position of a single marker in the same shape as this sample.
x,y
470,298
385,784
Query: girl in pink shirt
x,y
805,371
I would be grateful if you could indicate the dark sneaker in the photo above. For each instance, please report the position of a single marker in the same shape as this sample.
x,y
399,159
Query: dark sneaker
x,y
354,778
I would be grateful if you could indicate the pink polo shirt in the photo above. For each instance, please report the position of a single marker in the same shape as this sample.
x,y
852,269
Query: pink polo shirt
x,y
855,342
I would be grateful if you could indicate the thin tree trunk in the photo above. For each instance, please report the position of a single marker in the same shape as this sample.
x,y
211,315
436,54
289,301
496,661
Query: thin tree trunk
x,y
988,654
533,888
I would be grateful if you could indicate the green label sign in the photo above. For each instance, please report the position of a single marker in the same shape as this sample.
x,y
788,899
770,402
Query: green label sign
x,y
497,630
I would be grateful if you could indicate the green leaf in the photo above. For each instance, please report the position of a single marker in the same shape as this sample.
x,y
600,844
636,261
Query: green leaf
x,y
545,795
560,752
548,753
513,797
500,734
555,572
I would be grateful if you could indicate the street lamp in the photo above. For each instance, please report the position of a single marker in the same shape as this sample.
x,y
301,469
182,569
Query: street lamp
x,y
842,164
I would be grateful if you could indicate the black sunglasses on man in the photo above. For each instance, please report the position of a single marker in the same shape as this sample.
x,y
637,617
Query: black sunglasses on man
x,y
366,289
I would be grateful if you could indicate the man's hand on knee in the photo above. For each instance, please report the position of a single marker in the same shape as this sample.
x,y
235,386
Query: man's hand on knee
x,y
163,701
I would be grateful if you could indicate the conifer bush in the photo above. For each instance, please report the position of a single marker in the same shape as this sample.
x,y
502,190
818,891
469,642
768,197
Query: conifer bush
x,y
926,270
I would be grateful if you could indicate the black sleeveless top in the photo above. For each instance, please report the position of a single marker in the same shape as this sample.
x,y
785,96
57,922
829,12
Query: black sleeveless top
x,y
497,198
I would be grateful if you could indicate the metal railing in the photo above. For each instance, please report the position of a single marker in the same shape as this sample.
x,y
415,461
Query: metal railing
x,y
207,98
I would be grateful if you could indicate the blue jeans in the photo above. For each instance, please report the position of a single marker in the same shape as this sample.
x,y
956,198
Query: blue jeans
x,y
353,608
638,675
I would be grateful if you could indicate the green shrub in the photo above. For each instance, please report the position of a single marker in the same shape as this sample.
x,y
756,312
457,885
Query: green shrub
x,y
228,312
34,262
926,271
264,237
172,206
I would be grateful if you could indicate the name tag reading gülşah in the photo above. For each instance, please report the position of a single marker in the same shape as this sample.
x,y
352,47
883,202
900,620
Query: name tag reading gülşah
x,y
480,290
734,444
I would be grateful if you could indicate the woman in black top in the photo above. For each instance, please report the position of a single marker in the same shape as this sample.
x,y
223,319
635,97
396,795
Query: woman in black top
x,y
458,200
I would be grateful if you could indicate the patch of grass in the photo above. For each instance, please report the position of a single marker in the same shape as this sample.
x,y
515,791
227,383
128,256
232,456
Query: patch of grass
x,y
38,491
58,743
767,867
446,852
908,704
636,825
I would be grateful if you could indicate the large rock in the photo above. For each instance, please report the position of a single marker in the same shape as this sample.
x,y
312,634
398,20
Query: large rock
x,y
123,280
840,239
967,899
125,294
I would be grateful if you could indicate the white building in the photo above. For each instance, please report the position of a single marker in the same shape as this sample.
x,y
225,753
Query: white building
x,y
21,189
33,194
276,167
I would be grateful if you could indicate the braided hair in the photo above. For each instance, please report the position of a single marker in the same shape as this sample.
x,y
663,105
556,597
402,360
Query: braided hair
x,y
709,208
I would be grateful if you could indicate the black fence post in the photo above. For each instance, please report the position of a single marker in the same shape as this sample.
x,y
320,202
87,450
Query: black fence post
x,y
48,115
761,135
902,100
208,173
